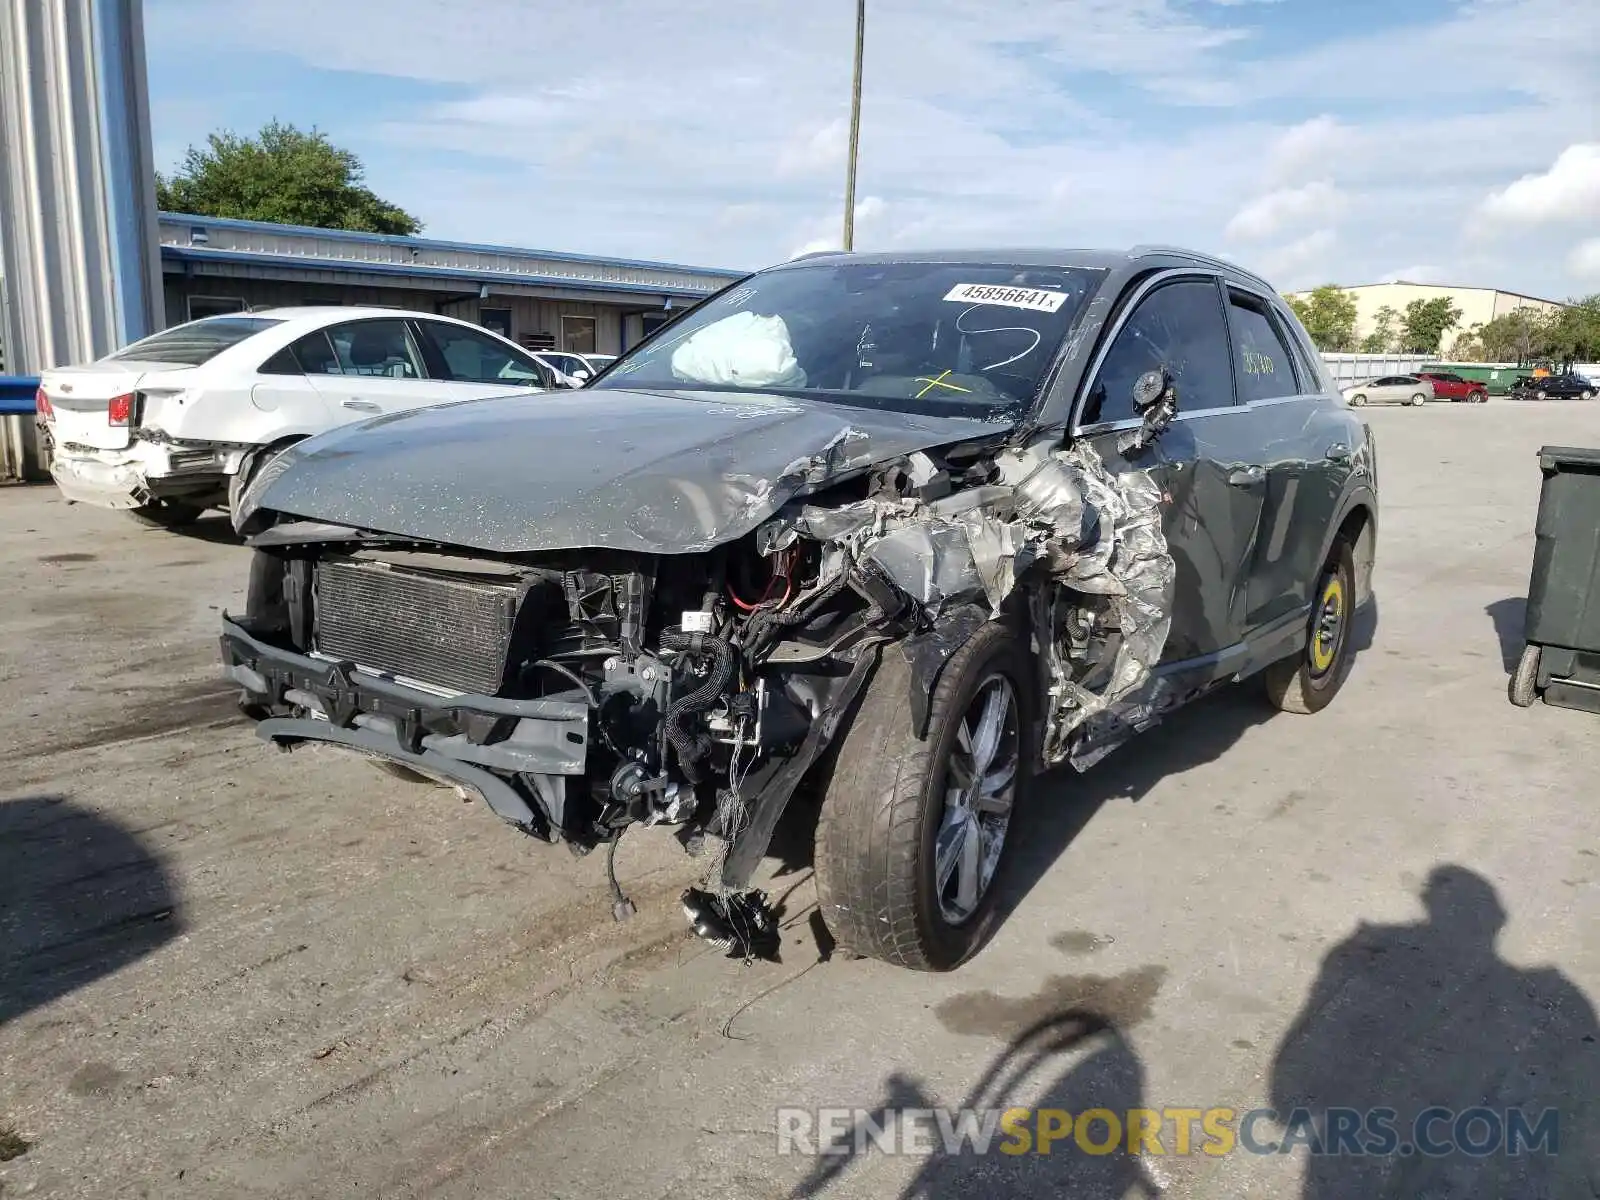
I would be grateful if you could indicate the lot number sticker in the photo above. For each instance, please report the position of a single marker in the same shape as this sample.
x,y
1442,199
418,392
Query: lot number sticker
x,y
1036,299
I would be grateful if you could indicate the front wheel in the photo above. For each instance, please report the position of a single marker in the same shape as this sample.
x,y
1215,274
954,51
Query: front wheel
x,y
1308,681
1419,398
1588,394
1357,400
915,832
1540,395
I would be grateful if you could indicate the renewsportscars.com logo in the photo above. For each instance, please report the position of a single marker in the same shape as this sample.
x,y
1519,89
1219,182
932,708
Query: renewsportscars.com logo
x,y
1434,1132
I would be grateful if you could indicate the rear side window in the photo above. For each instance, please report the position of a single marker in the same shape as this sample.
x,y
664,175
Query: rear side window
x,y
1263,366
382,349
1178,326
195,343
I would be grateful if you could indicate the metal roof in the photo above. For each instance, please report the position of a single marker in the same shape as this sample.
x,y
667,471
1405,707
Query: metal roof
x,y
259,244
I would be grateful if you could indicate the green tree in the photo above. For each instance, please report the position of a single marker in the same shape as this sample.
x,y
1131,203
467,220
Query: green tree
x,y
1384,333
1329,315
1425,323
1467,347
1518,336
1573,334
284,174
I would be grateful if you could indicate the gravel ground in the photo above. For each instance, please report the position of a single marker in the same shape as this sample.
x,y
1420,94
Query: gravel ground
x,y
226,971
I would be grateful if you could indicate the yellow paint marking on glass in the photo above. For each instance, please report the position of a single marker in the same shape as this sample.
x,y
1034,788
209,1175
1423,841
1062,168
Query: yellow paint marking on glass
x,y
937,381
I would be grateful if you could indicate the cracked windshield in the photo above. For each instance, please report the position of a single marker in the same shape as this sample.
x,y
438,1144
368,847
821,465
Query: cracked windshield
x,y
955,338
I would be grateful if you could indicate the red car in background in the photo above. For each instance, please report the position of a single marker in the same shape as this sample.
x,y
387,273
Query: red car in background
x,y
1452,387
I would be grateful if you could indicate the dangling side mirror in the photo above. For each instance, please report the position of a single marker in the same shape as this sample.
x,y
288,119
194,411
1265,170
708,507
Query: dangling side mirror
x,y
1155,398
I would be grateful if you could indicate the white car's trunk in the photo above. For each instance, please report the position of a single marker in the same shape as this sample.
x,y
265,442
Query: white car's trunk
x,y
82,399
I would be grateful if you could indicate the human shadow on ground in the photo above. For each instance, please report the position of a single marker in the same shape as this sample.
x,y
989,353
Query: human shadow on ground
x,y
1509,617
80,897
1427,1016
1067,1062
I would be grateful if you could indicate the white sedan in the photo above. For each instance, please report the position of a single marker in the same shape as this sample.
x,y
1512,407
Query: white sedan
x,y
1390,389
176,422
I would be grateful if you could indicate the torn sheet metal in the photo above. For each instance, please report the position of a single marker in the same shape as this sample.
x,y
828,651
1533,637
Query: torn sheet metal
x,y
1063,523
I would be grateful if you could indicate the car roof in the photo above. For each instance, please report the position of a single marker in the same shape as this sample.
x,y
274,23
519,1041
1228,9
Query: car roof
x,y
1093,258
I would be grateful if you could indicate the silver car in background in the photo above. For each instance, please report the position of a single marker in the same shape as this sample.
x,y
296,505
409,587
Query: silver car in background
x,y
1390,389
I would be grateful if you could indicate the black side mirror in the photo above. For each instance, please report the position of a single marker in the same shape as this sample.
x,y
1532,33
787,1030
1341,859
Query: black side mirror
x,y
1155,398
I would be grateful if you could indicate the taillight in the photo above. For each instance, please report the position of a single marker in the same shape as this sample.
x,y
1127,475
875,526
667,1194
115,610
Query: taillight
x,y
41,405
119,410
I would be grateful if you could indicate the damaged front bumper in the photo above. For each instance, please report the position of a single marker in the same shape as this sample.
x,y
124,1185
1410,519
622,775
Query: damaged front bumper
x,y
471,741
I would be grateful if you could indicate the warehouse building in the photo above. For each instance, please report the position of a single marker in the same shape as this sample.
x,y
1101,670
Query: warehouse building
x,y
1478,305
539,298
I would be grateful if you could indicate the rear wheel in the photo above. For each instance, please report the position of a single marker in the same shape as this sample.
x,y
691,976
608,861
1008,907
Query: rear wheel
x,y
1308,681
1540,395
1588,394
914,833
167,514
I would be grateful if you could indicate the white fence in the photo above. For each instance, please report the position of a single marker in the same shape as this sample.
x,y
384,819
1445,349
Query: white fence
x,y
1353,368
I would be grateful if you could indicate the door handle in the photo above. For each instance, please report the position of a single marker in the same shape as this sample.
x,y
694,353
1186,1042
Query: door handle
x,y
1338,452
1247,476
360,405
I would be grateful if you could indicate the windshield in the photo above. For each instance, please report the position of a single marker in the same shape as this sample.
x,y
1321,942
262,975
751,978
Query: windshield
x,y
954,338
195,343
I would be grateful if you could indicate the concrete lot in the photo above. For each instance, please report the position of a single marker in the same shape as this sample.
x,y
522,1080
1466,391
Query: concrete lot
x,y
230,972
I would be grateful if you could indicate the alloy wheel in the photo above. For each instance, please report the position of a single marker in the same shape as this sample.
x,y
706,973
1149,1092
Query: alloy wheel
x,y
980,789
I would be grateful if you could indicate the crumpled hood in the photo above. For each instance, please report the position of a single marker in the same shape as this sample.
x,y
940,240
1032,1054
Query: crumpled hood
x,y
647,471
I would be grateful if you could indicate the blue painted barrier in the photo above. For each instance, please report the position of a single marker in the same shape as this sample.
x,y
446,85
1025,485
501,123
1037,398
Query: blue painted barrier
x,y
16,395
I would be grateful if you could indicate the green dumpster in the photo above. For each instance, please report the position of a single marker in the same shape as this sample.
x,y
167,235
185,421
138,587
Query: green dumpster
x,y
1561,660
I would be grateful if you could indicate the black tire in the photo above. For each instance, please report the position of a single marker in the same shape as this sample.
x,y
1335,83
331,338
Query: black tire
x,y
1418,400
877,834
167,514
1588,394
1540,395
1358,400
1307,682
1525,679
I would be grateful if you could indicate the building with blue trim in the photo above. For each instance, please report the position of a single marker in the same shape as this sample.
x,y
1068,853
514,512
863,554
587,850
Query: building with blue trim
x,y
542,299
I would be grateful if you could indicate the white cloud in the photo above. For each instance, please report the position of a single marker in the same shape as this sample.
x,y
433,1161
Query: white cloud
x,y
1420,273
827,233
1312,147
1569,190
1583,263
815,150
1271,214
982,125
1302,263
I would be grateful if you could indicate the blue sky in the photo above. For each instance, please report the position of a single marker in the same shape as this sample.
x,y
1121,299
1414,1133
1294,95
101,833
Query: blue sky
x,y
1312,140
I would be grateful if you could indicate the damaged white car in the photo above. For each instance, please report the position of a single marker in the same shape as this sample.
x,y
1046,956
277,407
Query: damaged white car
x,y
917,528
177,422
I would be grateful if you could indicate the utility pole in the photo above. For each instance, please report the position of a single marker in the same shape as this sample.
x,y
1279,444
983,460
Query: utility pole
x,y
855,130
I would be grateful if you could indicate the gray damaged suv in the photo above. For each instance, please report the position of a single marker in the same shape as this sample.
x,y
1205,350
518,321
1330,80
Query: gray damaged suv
x,y
912,528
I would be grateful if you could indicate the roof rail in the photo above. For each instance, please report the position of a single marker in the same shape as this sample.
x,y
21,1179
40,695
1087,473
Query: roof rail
x,y
1197,256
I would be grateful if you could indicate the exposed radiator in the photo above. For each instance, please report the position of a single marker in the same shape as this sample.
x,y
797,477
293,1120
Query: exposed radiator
x,y
446,632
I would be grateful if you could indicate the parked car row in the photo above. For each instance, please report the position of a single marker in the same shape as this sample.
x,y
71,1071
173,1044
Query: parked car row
x,y
179,421
1416,389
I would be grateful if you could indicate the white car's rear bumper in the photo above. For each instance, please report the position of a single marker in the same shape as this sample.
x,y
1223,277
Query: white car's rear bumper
x,y
140,474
